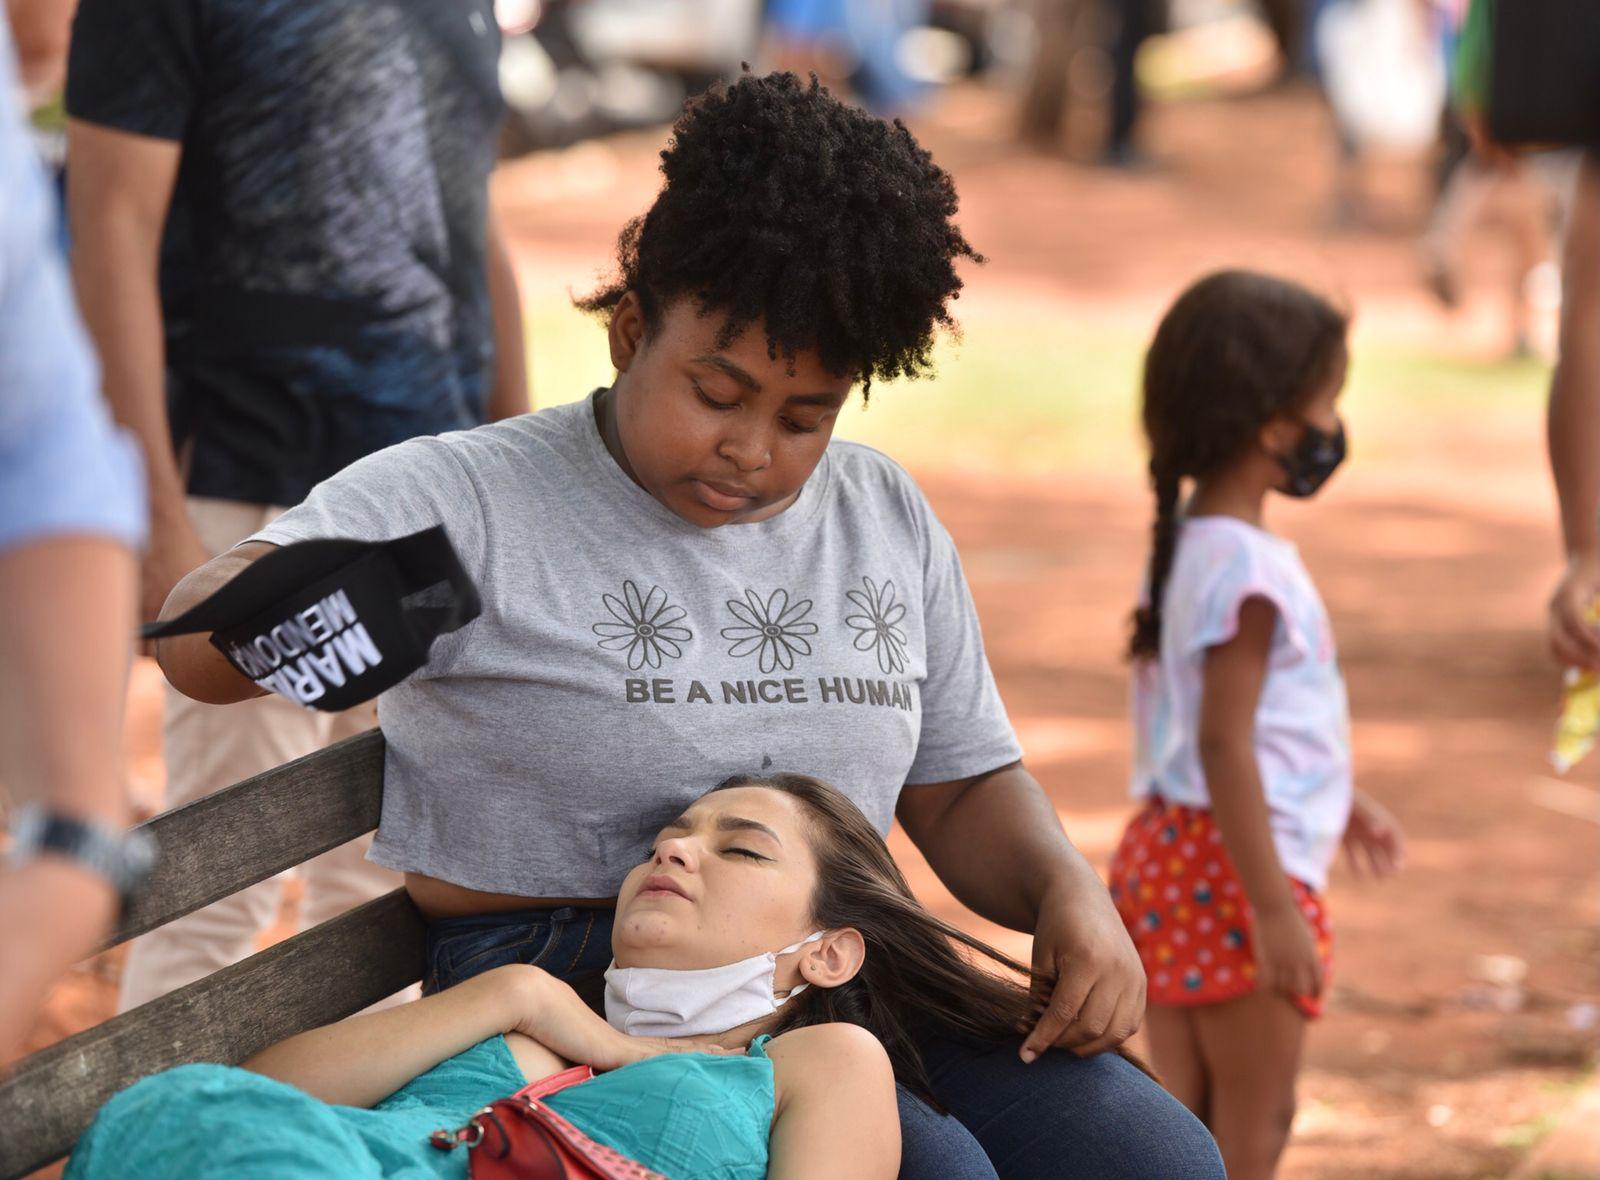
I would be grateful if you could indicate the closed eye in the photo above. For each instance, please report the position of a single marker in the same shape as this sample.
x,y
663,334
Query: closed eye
x,y
795,428
651,854
713,402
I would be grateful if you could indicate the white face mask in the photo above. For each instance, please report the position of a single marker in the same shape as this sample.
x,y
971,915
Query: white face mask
x,y
661,1002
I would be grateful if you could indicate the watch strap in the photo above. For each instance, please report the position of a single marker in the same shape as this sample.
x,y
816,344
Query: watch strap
x,y
122,858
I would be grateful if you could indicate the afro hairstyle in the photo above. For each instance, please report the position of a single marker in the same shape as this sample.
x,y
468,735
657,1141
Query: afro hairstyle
x,y
785,206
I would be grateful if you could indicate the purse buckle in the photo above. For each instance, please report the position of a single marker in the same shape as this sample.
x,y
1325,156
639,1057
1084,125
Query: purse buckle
x,y
468,1136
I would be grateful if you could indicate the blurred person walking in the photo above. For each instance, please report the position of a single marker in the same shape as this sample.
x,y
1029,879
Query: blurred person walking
x,y
71,518
1557,110
1382,70
1242,760
851,45
1059,33
1530,193
1063,28
284,250
1136,21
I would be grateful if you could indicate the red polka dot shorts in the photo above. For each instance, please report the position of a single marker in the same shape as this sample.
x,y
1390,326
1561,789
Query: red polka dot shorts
x,y
1181,900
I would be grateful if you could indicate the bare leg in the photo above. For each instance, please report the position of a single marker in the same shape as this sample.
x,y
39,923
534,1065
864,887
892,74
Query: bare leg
x,y
1532,217
1461,203
1175,1053
1251,1050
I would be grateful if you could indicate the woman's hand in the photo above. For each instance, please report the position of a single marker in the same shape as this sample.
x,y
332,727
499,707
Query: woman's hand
x,y
1573,631
1097,999
1286,952
1373,835
997,842
547,1010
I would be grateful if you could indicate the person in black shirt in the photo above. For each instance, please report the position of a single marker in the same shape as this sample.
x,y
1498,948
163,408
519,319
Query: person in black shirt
x,y
285,254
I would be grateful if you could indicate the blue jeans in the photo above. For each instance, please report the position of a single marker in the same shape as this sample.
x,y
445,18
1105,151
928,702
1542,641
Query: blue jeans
x,y
1061,1117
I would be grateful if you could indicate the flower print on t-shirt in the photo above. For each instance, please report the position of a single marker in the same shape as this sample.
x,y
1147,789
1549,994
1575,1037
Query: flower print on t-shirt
x,y
648,626
774,630
615,676
878,625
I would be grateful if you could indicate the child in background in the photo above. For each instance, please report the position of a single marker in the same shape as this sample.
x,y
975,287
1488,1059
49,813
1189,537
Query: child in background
x,y
1243,756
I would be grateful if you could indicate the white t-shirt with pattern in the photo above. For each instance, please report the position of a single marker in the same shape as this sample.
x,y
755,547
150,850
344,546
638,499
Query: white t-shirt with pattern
x,y
1302,730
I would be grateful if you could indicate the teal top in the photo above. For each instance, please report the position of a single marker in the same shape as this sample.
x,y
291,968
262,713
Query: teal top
x,y
690,1116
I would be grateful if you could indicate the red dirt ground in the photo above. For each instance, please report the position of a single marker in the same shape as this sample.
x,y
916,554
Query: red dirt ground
x,y
1434,567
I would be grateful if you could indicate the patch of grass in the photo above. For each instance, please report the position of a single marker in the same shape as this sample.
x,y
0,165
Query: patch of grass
x,y
1570,1087
1039,398
1424,379
1008,399
567,353
1005,397
1030,395
1522,1136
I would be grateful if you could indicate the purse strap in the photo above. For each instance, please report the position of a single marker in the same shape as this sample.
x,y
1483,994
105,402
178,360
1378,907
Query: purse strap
x,y
606,1161
490,1143
555,1083
472,1134
557,1139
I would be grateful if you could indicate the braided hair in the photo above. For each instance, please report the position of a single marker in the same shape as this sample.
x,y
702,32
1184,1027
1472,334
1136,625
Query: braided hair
x,y
784,206
1237,349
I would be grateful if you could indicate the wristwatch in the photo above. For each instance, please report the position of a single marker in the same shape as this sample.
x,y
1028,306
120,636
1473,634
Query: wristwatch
x,y
125,859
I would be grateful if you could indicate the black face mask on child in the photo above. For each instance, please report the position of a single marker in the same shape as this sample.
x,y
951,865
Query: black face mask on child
x,y
1313,460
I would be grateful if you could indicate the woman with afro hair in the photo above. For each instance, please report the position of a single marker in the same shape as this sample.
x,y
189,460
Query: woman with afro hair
x,y
685,578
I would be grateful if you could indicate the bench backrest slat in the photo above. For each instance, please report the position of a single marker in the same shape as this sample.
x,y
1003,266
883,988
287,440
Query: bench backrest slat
x,y
211,848
253,830
314,978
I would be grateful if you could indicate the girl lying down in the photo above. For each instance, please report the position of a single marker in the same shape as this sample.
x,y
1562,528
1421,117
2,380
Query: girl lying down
x,y
718,1054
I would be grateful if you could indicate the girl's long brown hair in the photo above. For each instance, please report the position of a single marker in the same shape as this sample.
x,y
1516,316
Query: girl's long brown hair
x,y
914,980
1235,350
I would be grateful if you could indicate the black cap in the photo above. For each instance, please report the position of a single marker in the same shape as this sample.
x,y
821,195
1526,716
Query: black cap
x,y
332,623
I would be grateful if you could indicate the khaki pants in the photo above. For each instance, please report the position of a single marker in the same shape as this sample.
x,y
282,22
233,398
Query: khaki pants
x,y
208,747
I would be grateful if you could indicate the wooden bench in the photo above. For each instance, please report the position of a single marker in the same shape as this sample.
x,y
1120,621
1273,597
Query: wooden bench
x,y
209,849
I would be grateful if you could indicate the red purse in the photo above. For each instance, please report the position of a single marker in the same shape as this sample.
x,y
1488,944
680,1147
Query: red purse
x,y
520,1138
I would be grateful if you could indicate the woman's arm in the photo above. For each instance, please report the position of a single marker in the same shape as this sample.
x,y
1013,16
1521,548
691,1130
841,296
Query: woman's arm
x,y
1234,671
359,1061
508,395
189,662
995,841
64,651
836,1113
117,207
362,1060
1574,429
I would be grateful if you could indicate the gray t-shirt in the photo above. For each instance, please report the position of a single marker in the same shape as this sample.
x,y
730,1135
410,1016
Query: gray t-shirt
x,y
626,660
